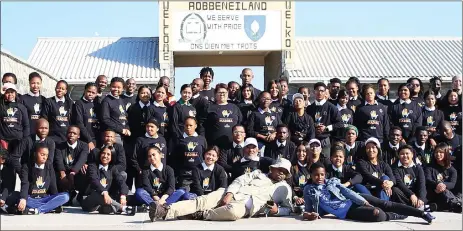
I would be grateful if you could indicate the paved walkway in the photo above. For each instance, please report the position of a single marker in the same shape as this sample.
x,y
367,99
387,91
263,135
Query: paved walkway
x,y
74,219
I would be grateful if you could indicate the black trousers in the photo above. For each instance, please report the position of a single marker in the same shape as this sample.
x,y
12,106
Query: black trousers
x,y
380,210
444,200
95,201
400,197
71,183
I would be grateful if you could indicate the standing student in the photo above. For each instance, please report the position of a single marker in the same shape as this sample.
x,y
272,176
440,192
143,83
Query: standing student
x,y
178,113
139,114
377,174
457,85
334,87
221,117
435,84
326,117
233,151
277,105
14,120
159,111
57,110
33,100
84,116
282,147
324,196
246,77
24,152
233,90
432,117
38,192
103,175
371,118
188,153
138,160
305,91
207,75
410,180
209,176
262,122
352,88
382,96
199,102
10,78
421,146
300,124
170,98
157,181
417,89
441,178
451,106
405,113
347,115
113,113
129,96
70,157
7,181
101,83
390,148
246,103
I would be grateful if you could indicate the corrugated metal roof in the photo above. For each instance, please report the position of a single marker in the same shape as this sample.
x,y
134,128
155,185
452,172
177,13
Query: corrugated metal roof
x,y
80,60
22,69
319,59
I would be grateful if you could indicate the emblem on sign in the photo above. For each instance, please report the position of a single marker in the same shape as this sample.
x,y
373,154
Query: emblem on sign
x,y
193,29
254,26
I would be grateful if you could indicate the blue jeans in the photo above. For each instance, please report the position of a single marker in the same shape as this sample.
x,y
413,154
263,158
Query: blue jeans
x,y
360,188
144,197
377,192
48,203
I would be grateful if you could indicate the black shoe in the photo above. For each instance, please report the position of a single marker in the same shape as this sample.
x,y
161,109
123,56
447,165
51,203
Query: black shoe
x,y
142,209
30,211
157,211
131,210
58,210
395,216
431,207
428,217
199,215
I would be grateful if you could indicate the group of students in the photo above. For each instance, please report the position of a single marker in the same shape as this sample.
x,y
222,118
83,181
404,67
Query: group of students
x,y
94,150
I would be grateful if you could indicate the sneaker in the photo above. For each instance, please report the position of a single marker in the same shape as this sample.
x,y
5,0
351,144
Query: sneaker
x,y
199,215
430,208
142,209
131,210
157,211
428,217
30,211
395,216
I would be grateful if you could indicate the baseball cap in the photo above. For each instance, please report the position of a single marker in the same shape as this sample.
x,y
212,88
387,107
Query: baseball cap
x,y
298,95
315,141
7,86
284,164
373,140
250,141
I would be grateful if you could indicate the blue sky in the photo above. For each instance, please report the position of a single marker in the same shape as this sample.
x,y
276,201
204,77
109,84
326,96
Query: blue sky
x,y
23,22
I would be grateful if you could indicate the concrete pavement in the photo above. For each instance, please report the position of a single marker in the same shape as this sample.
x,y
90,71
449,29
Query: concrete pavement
x,y
74,218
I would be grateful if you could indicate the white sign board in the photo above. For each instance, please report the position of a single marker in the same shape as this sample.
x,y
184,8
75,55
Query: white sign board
x,y
226,30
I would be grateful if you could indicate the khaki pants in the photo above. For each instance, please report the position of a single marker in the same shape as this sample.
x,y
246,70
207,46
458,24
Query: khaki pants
x,y
207,203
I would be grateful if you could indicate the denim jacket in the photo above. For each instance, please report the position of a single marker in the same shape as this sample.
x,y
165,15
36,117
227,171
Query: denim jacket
x,y
312,194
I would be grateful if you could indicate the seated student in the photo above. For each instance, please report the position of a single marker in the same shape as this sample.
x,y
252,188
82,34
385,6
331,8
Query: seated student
x,y
270,194
188,153
421,146
410,180
325,196
348,177
139,160
282,146
102,175
70,157
234,151
24,152
7,180
118,158
441,178
251,160
39,193
314,150
457,165
390,148
157,181
377,175
353,148
208,176
449,137
299,176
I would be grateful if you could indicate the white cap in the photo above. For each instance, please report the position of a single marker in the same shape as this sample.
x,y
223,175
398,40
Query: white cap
x,y
283,163
7,86
298,95
252,141
315,141
373,140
